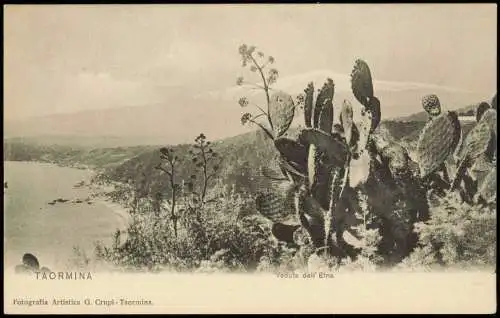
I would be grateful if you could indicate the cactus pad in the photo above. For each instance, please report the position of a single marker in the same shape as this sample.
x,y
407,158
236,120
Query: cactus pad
x,y
482,164
458,148
313,163
308,104
310,215
481,167
364,129
326,117
481,108
490,116
281,111
488,189
338,181
320,186
477,141
374,108
397,158
292,170
325,97
271,205
453,116
354,137
333,146
318,176
306,205
435,144
284,232
346,120
361,82
431,105
292,151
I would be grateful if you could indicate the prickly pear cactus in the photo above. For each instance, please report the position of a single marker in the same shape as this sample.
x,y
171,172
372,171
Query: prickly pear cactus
x,y
324,98
281,111
477,141
365,125
325,159
338,182
488,189
332,146
453,116
396,158
490,116
431,105
310,214
325,122
317,176
284,232
270,205
309,105
294,153
436,142
483,106
480,168
374,109
277,205
361,82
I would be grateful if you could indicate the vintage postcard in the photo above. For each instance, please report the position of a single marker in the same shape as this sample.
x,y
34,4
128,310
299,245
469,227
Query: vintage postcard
x,y
314,158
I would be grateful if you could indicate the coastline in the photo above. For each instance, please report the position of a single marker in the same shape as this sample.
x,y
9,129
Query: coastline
x,y
98,192
119,210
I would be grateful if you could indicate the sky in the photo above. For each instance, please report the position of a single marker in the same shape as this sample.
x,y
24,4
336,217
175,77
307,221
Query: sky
x,y
66,58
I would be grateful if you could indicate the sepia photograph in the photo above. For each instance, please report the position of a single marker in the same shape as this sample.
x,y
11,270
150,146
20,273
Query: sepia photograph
x,y
250,158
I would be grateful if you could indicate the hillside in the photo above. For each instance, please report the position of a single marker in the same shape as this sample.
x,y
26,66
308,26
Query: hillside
x,y
69,155
242,156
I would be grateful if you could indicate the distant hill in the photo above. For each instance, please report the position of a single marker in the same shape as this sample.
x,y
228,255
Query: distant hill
x,y
88,142
469,110
217,113
69,155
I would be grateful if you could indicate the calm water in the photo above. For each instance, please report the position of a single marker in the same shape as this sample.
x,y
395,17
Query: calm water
x,y
51,231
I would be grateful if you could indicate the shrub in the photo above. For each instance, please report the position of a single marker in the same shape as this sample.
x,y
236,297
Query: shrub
x,y
457,234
